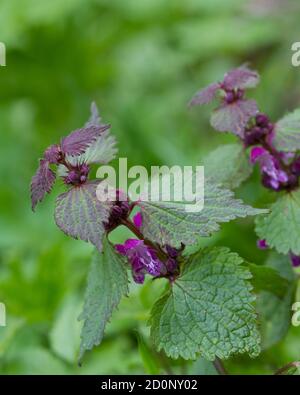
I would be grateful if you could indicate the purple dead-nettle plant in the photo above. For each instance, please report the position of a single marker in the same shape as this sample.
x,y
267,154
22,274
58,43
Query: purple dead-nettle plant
x,y
207,307
275,148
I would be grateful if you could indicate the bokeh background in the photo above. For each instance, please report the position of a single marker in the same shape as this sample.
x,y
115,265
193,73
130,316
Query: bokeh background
x,y
141,61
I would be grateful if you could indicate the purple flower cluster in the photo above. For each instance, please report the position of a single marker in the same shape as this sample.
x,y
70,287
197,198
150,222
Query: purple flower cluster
x,y
280,170
120,211
145,257
77,174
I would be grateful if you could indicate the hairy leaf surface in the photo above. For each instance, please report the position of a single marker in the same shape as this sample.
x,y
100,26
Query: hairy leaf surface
x,y
281,228
80,214
41,182
107,283
287,132
208,309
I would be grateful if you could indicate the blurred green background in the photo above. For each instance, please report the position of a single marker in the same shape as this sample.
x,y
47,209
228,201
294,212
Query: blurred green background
x,y
141,61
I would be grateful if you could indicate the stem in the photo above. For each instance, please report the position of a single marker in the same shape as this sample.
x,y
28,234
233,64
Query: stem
x,y
287,367
130,225
218,364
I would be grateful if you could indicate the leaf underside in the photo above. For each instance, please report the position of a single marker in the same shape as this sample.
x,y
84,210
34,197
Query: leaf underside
x,y
233,117
207,310
79,214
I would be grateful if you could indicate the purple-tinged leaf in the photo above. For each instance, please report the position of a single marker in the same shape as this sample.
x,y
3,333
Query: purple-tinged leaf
x,y
234,117
95,118
80,214
206,95
41,182
52,154
78,141
101,151
240,78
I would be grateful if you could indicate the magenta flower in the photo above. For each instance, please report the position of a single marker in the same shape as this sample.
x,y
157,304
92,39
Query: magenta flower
x,y
234,110
295,259
138,219
273,176
262,244
142,258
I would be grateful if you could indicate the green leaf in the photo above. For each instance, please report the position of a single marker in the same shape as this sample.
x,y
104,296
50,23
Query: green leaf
x,y
287,132
203,367
107,283
281,228
275,311
208,309
64,336
268,279
151,364
170,222
79,214
228,165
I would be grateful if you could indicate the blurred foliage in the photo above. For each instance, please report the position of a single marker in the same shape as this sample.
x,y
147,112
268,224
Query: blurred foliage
x,y
141,61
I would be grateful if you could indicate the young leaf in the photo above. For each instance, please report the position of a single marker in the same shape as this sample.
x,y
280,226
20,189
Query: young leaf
x,y
281,228
241,78
233,117
78,141
228,165
95,118
205,95
275,311
208,309
101,151
287,132
170,223
41,182
80,214
107,283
